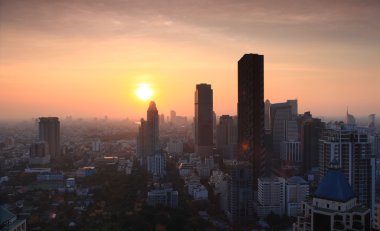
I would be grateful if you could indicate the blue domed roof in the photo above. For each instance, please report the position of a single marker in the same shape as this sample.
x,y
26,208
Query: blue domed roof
x,y
334,186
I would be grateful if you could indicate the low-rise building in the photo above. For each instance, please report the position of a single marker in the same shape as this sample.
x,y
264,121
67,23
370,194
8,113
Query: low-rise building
x,y
9,221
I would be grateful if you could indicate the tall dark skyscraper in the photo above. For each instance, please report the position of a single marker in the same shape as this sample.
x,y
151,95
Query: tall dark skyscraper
x,y
49,131
251,112
203,120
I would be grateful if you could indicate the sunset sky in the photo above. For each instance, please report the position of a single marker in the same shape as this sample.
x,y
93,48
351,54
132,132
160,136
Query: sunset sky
x,y
86,58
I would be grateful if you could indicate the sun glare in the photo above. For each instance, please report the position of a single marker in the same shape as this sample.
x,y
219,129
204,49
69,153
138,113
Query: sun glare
x,y
144,91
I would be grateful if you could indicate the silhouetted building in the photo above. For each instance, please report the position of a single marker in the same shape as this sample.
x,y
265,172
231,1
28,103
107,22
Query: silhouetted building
x,y
310,131
148,138
371,121
49,131
251,113
226,141
239,191
203,120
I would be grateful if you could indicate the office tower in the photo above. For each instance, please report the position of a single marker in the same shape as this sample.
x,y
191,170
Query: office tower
x,y
49,131
239,191
350,150
226,144
297,191
203,120
251,113
280,113
267,119
310,131
333,207
148,146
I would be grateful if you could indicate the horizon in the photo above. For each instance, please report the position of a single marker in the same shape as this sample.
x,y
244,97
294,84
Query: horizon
x,y
86,60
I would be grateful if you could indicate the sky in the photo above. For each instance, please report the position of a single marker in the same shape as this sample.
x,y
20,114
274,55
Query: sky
x,y
86,58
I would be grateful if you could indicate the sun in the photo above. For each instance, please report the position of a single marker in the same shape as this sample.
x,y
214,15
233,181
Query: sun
x,y
144,91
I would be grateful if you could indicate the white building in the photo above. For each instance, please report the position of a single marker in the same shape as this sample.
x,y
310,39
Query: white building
x,y
157,164
297,190
271,196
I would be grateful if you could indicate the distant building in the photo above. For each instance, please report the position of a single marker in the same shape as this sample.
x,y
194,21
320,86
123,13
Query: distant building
x,y
267,119
9,221
310,132
239,191
203,120
371,121
251,113
270,196
226,141
376,217
39,153
70,183
85,172
166,197
49,131
333,207
157,164
175,147
297,191
148,137
350,119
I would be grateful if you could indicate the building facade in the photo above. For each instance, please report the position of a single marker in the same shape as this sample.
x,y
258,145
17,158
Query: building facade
x,y
49,131
251,113
203,120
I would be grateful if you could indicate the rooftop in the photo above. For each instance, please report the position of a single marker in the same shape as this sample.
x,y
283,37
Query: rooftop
x,y
334,186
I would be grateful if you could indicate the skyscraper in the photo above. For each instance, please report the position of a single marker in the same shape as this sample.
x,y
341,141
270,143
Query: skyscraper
x,y
203,120
49,131
251,112
148,146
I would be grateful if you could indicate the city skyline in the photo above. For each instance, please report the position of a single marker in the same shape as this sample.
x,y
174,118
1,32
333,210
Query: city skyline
x,y
86,60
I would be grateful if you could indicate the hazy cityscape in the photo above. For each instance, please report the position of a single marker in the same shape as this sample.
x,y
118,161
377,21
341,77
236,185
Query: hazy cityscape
x,y
205,115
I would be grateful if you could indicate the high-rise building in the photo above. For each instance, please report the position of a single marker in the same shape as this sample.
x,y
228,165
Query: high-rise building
x,y
226,143
270,196
251,113
310,131
49,131
203,120
350,150
280,113
239,191
148,146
